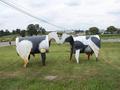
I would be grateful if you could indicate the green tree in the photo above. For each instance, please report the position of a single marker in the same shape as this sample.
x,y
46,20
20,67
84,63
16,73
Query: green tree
x,y
87,32
94,30
18,31
13,32
43,31
111,29
31,29
38,28
7,32
1,32
22,33
35,29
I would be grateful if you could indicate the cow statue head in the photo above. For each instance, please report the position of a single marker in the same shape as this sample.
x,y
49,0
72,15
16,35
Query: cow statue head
x,y
66,38
54,36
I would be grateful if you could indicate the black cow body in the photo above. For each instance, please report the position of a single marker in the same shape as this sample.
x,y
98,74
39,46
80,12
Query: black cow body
x,y
35,40
35,49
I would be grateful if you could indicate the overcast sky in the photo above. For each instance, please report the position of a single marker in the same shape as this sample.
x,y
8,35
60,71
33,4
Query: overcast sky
x,y
69,14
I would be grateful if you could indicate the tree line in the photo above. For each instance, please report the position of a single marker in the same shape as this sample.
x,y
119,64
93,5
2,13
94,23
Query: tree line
x,y
32,29
109,30
35,29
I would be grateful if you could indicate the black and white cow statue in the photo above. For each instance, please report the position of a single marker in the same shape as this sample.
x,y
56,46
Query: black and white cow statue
x,y
33,45
82,44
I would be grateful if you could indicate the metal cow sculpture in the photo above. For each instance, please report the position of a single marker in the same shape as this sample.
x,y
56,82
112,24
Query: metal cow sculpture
x,y
33,45
82,44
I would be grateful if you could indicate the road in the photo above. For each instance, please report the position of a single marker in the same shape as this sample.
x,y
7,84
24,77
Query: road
x,y
6,43
111,40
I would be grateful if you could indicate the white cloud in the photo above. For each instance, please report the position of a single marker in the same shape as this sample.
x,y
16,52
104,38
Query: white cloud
x,y
71,14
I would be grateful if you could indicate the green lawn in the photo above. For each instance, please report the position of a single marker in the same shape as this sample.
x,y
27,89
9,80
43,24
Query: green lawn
x,y
110,36
8,38
60,73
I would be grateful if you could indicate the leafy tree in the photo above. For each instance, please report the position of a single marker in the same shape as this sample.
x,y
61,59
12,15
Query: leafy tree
x,y
18,31
1,32
94,30
38,28
35,29
43,30
7,32
31,30
87,32
22,33
13,32
111,29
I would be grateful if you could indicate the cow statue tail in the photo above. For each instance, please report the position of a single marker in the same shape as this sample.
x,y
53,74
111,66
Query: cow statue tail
x,y
94,43
23,49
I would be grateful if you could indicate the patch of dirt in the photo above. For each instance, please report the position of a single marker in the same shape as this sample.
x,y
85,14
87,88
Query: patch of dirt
x,y
91,71
50,77
109,62
8,74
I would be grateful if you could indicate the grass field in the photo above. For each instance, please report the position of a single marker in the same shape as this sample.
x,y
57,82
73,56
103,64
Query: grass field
x,y
60,73
105,36
110,36
8,38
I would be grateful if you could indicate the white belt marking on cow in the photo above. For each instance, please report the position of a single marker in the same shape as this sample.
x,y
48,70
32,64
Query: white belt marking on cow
x,y
94,47
44,44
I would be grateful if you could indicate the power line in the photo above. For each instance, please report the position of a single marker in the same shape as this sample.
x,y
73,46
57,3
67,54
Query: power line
x,y
27,13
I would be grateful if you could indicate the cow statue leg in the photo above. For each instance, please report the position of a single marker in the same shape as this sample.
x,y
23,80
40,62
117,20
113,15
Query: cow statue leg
x,y
25,63
96,59
29,57
43,56
32,55
97,56
77,52
71,53
88,54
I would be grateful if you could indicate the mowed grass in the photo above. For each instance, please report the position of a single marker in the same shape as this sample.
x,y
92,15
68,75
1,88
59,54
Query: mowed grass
x,y
110,36
60,73
8,38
